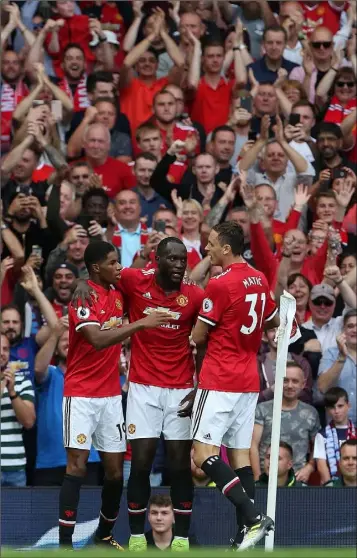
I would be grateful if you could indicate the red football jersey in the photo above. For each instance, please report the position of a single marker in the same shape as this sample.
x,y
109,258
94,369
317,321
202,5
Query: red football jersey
x,y
237,302
179,132
92,373
321,14
161,356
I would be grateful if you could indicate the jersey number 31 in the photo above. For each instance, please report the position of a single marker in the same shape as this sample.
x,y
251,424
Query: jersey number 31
x,y
252,299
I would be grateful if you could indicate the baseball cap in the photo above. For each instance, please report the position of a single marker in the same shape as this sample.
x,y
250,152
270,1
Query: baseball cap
x,y
111,39
323,290
69,266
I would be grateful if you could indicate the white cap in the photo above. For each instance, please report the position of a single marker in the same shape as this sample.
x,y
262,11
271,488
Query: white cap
x,y
111,39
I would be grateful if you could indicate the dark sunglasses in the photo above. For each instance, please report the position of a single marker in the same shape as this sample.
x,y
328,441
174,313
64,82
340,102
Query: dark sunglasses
x,y
322,301
319,44
37,26
349,84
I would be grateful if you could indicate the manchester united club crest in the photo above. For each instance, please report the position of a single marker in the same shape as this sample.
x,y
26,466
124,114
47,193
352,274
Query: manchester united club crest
x,y
131,428
118,304
182,300
81,438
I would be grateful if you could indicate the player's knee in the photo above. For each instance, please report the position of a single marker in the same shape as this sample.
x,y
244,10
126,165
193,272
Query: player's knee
x,y
76,463
114,474
76,469
201,452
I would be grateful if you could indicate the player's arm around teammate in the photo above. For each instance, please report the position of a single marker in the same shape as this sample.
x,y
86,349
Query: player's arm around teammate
x,y
92,406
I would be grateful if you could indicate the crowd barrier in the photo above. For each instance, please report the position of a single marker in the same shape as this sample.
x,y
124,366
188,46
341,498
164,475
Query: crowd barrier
x,y
306,517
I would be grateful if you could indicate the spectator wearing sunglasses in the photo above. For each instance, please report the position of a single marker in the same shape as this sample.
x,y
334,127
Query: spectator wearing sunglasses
x,y
338,91
317,61
322,305
338,363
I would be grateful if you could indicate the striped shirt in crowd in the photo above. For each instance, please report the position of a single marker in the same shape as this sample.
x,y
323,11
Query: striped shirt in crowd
x,y
13,456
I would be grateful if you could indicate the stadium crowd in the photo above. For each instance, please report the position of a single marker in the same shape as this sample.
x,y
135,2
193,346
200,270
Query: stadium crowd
x,y
131,121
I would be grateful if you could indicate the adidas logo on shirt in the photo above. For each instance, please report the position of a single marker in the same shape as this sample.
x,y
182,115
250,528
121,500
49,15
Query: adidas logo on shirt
x,y
147,295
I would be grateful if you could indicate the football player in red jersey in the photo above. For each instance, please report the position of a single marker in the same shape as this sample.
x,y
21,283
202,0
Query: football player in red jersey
x,y
236,308
92,408
160,380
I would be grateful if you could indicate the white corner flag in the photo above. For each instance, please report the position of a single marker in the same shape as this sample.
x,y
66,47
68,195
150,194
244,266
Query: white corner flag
x,y
287,333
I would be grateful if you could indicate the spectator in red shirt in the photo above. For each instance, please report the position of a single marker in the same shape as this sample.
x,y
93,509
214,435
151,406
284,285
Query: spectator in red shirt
x,y
115,175
317,13
149,140
137,93
212,92
164,108
73,28
266,195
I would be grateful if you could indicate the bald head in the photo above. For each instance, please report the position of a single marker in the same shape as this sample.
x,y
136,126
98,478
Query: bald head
x,y
287,8
321,34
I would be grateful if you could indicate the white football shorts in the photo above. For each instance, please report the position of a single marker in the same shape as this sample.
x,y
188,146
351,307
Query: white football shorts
x,y
152,410
97,420
224,418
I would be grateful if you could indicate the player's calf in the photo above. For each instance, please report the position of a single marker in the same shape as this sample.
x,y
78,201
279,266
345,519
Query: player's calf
x,y
68,506
138,497
69,494
182,497
226,480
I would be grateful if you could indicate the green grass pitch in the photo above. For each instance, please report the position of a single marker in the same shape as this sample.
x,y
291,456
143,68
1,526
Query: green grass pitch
x,y
200,553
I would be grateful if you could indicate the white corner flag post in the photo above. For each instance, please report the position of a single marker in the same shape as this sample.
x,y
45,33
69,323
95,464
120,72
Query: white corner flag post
x,y
283,336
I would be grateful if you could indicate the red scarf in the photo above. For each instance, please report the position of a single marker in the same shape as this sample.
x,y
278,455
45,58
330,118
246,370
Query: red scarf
x,y
80,98
144,235
336,112
10,98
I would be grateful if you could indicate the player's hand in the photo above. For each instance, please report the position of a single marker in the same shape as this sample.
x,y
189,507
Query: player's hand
x,y
83,295
186,404
156,319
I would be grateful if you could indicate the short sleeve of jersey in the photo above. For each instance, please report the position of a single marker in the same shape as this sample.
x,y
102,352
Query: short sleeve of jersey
x,y
215,302
83,316
270,308
128,277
